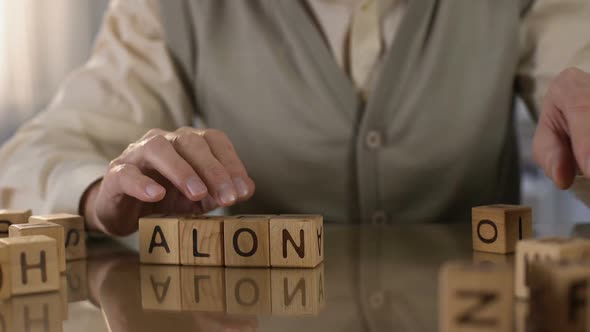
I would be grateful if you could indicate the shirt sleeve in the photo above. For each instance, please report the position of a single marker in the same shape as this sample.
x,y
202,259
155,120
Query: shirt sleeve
x,y
555,35
128,86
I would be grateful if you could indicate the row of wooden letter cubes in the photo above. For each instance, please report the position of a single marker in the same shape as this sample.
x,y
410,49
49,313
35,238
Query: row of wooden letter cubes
x,y
36,250
552,274
233,290
245,240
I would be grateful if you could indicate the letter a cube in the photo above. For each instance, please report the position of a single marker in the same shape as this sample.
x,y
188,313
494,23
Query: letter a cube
x,y
159,240
296,241
475,297
497,228
33,264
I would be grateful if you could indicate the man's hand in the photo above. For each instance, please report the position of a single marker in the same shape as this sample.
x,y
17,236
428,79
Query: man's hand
x,y
186,171
561,145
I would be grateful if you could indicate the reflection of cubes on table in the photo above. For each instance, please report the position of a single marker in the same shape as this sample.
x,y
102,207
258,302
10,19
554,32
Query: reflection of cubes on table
x,y
63,296
248,291
545,249
246,241
497,228
52,230
296,240
559,294
161,287
475,296
297,291
33,263
159,240
203,288
11,217
74,232
201,241
77,280
38,312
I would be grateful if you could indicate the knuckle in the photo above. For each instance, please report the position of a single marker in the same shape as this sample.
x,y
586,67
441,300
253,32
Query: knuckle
x,y
154,132
215,173
155,143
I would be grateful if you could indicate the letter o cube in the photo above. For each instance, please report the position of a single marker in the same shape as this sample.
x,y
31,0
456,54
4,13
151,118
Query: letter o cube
x,y
246,241
497,228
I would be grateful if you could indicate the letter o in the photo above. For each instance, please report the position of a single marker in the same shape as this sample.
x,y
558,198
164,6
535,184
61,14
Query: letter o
x,y
254,248
491,223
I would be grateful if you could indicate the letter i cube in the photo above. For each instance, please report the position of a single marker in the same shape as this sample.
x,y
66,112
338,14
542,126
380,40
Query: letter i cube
x,y
74,232
497,228
159,240
296,241
33,264
475,297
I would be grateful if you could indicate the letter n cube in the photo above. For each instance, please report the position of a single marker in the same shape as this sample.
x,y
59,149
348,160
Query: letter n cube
x,y
296,241
497,228
475,297
159,240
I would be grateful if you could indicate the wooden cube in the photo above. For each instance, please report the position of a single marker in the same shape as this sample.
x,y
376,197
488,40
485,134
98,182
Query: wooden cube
x,y
246,241
493,258
5,272
522,322
159,240
248,291
6,316
74,232
296,241
546,249
34,264
475,297
10,217
63,296
497,228
559,294
77,280
203,288
38,312
161,287
201,241
297,292
52,230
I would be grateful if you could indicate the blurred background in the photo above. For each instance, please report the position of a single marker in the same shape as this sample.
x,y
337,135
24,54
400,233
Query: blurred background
x,y
41,41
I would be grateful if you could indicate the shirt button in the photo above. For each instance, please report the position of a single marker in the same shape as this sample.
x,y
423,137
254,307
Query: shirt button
x,y
373,139
379,218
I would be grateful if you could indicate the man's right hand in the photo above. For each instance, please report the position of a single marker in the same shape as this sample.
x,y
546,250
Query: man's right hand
x,y
186,171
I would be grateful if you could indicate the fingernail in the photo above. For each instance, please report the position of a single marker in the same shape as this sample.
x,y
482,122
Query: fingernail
x,y
196,187
241,187
153,190
227,194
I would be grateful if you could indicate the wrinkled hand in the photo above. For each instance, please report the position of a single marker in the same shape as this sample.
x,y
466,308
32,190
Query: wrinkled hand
x,y
186,171
561,145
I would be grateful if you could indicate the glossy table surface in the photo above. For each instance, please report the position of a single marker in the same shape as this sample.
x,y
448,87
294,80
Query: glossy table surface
x,y
374,278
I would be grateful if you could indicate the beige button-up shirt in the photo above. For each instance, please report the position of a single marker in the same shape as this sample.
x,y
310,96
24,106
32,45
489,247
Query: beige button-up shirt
x,y
50,162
